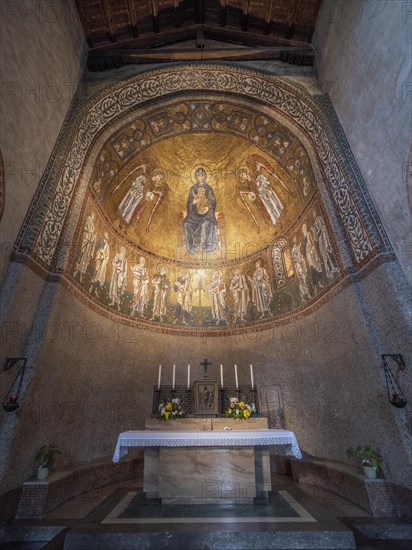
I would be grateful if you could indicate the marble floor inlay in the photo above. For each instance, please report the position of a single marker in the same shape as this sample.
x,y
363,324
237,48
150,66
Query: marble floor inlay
x,y
281,507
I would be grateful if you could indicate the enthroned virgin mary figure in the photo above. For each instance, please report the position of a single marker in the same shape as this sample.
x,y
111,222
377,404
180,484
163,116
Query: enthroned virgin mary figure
x,y
200,224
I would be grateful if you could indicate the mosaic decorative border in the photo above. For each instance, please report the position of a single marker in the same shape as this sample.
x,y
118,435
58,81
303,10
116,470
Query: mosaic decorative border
x,y
43,232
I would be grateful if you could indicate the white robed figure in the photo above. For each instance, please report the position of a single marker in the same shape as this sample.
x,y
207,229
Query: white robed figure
x,y
132,199
299,265
101,259
183,288
241,295
255,185
310,253
87,246
261,290
140,287
119,277
161,285
217,290
325,248
269,198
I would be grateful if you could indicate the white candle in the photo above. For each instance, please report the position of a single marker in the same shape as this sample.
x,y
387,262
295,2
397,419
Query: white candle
x,y
251,376
221,375
174,377
236,380
159,376
188,376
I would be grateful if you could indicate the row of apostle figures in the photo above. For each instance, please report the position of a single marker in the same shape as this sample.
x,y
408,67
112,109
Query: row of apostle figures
x,y
244,290
313,257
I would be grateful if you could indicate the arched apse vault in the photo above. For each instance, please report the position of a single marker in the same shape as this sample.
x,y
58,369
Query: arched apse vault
x,y
203,198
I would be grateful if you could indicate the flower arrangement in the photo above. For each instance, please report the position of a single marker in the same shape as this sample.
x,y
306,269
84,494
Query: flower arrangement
x,y
239,409
170,410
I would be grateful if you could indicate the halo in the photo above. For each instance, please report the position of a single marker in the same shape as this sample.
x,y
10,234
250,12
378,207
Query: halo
x,y
160,171
161,264
182,271
242,168
193,171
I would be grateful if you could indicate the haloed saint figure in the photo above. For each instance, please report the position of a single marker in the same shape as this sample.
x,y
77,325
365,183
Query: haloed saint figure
x,y
200,224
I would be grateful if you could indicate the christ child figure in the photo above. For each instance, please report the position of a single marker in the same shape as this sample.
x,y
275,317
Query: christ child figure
x,y
201,201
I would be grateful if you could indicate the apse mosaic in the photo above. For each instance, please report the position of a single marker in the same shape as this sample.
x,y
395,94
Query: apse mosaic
x,y
188,209
203,214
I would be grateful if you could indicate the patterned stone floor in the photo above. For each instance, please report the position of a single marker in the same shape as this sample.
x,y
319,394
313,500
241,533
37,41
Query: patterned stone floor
x,y
95,513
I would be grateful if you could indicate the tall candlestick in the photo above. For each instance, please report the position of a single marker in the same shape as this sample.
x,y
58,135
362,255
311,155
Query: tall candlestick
x,y
236,380
188,376
221,375
159,376
251,376
174,377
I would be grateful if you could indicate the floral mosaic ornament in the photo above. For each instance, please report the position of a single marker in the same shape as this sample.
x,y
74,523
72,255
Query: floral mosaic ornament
x,y
239,409
170,410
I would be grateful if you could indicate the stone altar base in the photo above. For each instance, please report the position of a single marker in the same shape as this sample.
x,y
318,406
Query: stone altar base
x,y
206,475
215,476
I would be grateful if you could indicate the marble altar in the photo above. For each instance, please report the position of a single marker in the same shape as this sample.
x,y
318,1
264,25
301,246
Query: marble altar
x,y
207,460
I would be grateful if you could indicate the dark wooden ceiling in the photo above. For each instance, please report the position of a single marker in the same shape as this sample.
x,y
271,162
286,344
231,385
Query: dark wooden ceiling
x,y
127,31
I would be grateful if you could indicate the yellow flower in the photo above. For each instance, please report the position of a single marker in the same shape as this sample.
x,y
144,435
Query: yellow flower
x,y
246,413
241,405
167,414
169,407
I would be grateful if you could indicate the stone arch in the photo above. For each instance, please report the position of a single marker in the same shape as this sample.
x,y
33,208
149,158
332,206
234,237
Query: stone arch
x,y
55,211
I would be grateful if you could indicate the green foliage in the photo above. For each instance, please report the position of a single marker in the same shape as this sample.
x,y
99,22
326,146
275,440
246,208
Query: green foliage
x,y
47,454
368,456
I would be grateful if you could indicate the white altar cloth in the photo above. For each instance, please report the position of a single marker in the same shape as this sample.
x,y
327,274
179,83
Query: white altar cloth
x,y
255,438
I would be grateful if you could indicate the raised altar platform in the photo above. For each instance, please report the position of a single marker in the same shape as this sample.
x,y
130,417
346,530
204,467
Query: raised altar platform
x,y
207,460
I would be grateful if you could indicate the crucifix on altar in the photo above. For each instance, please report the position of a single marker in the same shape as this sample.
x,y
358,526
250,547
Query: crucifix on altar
x,y
205,363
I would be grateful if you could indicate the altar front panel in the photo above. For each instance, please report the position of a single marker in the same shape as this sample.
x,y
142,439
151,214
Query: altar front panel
x,y
206,476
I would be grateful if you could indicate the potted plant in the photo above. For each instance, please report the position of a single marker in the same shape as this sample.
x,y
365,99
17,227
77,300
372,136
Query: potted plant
x,y
370,459
46,454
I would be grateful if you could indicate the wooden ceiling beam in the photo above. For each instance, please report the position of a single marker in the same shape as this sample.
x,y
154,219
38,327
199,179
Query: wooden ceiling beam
x,y
155,16
84,22
200,11
176,19
222,13
245,15
292,19
268,20
108,20
211,32
115,58
132,18
107,15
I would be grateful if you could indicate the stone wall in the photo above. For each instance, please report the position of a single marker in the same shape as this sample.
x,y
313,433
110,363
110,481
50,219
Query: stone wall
x,y
363,62
42,53
92,377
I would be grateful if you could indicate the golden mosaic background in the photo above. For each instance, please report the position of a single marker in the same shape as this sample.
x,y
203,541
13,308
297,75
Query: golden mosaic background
x,y
265,207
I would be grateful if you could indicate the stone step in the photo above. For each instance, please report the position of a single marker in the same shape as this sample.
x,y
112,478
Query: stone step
x,y
283,538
